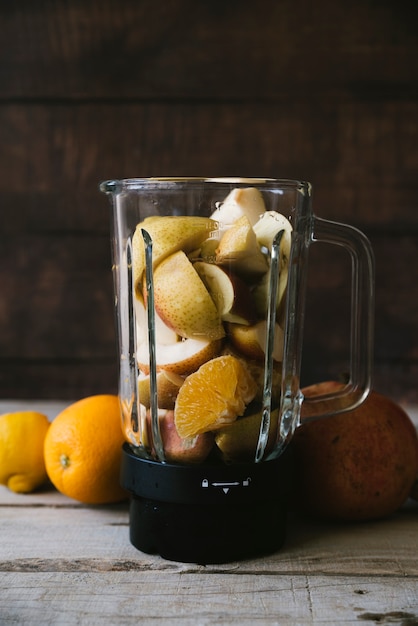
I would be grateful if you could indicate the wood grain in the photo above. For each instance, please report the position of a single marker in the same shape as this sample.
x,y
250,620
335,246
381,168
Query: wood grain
x,y
131,598
220,51
361,158
74,564
95,90
63,562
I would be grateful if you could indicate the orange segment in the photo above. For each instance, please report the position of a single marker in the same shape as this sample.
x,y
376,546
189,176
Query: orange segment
x,y
213,396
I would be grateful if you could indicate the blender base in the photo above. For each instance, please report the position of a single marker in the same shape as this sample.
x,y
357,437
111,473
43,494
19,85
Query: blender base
x,y
207,514
198,534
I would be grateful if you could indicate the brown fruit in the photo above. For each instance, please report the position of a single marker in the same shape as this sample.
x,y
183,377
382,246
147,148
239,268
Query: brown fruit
x,y
360,465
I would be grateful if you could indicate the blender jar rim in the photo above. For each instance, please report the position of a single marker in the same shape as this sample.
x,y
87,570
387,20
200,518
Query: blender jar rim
x,y
172,182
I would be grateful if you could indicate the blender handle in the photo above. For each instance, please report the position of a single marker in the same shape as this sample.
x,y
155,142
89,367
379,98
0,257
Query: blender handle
x,y
349,396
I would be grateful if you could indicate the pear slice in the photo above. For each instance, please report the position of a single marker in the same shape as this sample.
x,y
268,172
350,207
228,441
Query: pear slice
x,y
168,385
163,334
240,251
231,295
182,357
270,223
247,201
168,234
207,250
238,441
251,340
261,291
267,227
173,354
182,300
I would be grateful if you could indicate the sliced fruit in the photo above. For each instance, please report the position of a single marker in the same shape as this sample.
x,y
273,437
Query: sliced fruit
x,y
168,234
247,201
238,441
181,450
168,385
207,251
231,295
182,300
239,250
213,396
182,357
135,430
163,334
270,223
267,227
256,369
173,353
251,340
261,291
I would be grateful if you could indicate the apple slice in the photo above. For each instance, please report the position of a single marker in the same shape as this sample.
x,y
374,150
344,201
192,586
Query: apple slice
x,y
240,251
247,201
231,295
168,234
182,300
251,340
182,357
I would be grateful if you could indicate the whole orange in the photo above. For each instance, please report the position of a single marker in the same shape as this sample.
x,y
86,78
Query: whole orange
x,y
82,450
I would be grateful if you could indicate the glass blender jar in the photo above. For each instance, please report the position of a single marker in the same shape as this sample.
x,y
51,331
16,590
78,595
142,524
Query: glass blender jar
x,y
209,278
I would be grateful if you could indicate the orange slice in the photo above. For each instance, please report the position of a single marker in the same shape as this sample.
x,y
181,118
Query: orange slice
x,y
213,396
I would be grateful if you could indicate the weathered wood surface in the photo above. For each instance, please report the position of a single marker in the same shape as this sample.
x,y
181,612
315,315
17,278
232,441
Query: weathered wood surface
x,y
186,599
182,48
64,563
92,90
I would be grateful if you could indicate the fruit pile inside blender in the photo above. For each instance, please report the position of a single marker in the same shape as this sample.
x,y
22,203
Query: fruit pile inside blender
x,y
211,278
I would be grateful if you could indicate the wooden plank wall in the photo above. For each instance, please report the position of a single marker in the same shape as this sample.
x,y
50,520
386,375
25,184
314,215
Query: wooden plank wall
x,y
324,91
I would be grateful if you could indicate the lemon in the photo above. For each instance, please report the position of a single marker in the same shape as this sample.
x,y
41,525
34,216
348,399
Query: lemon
x,y
22,435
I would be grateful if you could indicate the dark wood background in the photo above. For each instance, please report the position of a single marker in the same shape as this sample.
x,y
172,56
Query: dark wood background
x,y
325,91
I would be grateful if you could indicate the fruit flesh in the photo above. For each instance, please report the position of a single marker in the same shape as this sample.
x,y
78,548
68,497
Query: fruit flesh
x,y
210,279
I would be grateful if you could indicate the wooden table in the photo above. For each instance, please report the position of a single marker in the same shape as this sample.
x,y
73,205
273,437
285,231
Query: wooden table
x,y
65,563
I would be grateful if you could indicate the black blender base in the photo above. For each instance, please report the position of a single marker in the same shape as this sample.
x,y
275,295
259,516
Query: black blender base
x,y
207,513
205,534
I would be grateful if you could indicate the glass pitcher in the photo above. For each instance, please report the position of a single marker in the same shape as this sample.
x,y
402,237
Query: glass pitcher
x,y
209,279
